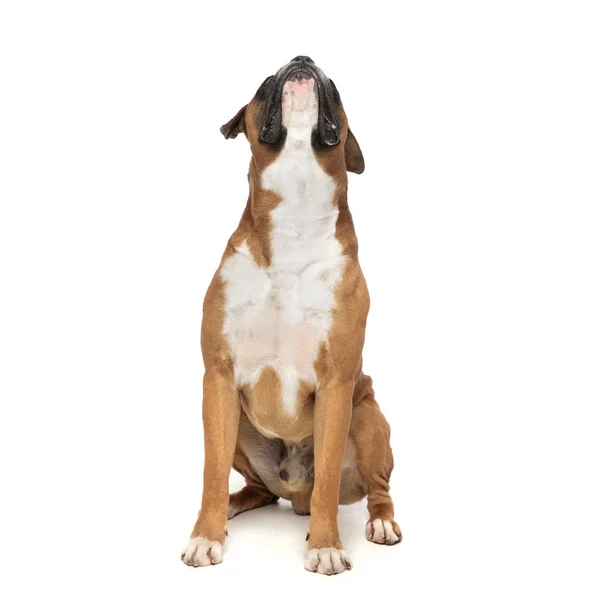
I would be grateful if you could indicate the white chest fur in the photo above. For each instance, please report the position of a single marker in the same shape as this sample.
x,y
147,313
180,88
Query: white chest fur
x,y
278,317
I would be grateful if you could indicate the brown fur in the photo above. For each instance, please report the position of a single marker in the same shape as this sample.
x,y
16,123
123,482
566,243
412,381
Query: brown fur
x,y
350,436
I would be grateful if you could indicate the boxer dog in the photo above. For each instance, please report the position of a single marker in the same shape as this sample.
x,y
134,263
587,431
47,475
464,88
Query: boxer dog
x,y
286,403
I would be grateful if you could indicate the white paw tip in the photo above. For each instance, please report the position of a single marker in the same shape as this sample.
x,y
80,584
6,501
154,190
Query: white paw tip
x,y
327,561
381,531
201,552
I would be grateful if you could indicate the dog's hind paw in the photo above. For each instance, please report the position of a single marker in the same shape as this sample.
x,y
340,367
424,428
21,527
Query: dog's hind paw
x,y
327,561
201,552
382,531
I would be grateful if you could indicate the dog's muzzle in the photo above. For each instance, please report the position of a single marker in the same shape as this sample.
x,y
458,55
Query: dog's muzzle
x,y
298,69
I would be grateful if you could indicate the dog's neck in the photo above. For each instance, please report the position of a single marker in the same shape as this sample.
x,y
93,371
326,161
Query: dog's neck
x,y
295,203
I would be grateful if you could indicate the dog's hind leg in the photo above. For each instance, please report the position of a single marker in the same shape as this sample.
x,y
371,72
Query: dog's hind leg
x,y
301,501
257,459
249,497
370,432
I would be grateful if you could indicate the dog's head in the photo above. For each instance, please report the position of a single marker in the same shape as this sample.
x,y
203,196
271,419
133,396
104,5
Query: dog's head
x,y
298,99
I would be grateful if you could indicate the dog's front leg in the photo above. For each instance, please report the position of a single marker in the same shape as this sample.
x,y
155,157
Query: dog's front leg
x,y
333,410
221,417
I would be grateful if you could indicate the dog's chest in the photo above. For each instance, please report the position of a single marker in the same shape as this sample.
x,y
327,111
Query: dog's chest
x,y
276,318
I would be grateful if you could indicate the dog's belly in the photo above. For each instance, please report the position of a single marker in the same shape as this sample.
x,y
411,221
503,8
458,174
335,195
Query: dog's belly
x,y
275,322
276,347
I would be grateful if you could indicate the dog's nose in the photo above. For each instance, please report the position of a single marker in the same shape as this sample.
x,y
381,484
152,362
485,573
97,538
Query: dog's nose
x,y
284,475
303,59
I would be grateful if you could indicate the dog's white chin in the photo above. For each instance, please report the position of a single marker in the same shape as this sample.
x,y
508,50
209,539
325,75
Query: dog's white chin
x,y
299,104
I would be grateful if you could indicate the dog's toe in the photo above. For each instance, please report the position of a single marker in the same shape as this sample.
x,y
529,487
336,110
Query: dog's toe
x,y
201,552
382,531
327,561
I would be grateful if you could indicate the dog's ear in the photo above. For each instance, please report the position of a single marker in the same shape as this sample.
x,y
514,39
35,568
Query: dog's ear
x,y
235,125
355,163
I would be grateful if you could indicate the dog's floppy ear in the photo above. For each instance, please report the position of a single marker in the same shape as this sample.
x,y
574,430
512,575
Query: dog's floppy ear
x,y
235,125
355,163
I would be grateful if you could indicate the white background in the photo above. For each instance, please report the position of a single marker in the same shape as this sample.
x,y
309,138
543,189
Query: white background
x,y
478,222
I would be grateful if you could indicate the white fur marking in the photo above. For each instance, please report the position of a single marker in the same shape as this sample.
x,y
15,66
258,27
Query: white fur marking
x,y
201,552
327,561
381,531
278,317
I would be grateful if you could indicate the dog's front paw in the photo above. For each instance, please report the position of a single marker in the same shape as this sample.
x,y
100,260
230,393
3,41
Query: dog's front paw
x,y
382,531
201,552
327,561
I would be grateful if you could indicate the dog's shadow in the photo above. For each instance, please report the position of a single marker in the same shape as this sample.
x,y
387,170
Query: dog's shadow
x,y
284,528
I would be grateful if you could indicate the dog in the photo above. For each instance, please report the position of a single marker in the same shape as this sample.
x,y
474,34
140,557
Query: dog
x,y
285,401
